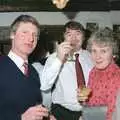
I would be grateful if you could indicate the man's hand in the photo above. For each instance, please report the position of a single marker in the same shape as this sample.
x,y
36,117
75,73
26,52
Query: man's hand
x,y
63,50
35,113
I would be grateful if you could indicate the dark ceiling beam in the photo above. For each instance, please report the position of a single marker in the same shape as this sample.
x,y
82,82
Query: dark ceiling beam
x,y
115,5
46,5
88,6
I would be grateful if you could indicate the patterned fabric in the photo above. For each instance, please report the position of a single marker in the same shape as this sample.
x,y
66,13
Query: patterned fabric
x,y
104,85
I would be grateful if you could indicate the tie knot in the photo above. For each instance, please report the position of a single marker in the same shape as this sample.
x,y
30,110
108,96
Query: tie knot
x,y
25,65
76,55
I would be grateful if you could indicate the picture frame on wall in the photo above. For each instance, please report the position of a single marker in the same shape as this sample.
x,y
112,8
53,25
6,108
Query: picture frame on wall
x,y
92,26
4,33
116,30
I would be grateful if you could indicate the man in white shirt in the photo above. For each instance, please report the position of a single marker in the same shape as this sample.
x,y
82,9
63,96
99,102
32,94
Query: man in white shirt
x,y
60,73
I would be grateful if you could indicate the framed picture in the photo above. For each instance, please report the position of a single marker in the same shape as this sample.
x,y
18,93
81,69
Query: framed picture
x,y
116,28
4,33
92,26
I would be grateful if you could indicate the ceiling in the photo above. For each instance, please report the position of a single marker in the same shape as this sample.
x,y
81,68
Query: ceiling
x,y
46,5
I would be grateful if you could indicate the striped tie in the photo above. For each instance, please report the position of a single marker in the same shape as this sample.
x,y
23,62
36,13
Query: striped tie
x,y
25,68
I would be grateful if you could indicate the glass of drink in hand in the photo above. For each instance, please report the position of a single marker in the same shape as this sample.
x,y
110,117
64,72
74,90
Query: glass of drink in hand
x,y
48,117
84,93
70,56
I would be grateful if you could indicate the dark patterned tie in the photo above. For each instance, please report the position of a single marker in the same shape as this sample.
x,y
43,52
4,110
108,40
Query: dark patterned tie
x,y
25,68
79,72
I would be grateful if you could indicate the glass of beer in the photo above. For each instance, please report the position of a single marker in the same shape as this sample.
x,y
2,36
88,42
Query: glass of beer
x,y
84,93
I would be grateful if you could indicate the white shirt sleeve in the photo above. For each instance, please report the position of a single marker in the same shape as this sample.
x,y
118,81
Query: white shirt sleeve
x,y
46,95
50,72
38,67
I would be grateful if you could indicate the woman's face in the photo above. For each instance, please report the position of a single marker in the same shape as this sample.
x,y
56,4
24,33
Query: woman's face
x,y
102,55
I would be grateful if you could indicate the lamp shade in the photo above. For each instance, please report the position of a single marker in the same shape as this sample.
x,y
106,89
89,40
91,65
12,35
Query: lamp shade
x,y
60,3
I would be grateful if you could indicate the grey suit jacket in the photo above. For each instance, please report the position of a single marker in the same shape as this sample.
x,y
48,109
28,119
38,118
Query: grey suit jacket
x,y
116,113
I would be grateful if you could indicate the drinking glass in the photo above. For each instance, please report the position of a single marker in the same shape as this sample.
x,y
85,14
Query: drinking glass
x,y
84,93
71,56
47,118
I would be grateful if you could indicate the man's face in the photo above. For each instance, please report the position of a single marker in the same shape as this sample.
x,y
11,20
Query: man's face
x,y
75,37
25,39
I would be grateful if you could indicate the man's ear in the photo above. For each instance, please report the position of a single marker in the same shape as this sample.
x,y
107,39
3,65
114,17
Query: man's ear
x,y
12,36
114,56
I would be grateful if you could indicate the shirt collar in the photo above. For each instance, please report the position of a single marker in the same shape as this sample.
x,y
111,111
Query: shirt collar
x,y
16,59
78,52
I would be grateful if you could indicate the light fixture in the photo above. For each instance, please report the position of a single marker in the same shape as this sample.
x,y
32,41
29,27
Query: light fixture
x,y
60,3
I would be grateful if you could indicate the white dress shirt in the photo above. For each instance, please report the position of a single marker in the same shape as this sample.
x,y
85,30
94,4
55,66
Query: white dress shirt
x,y
65,92
45,94
17,60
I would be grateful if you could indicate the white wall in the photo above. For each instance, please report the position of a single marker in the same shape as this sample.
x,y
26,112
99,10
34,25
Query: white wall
x,y
103,18
115,17
49,18
58,18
